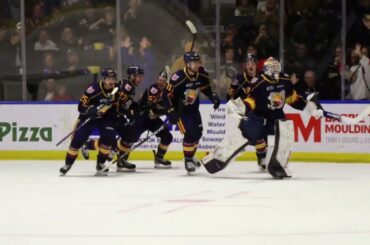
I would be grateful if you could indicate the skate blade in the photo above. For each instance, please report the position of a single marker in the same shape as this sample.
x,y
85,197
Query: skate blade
x,y
191,173
125,170
62,175
101,174
158,166
262,170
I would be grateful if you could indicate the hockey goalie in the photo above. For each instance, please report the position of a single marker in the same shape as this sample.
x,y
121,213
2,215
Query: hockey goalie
x,y
261,120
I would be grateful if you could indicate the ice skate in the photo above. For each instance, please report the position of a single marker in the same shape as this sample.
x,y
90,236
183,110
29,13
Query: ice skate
x,y
125,166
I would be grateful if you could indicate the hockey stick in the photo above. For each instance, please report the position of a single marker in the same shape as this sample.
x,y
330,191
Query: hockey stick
x,y
132,149
347,120
102,110
168,71
194,31
73,131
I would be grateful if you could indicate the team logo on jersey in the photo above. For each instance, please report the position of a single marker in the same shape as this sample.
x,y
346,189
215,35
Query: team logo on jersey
x,y
191,96
154,90
90,90
175,77
277,100
128,87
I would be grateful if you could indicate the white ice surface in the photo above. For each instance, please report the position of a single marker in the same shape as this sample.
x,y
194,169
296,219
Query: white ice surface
x,y
322,204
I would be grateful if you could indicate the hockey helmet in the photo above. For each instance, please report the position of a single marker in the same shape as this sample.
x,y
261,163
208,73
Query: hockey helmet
x,y
191,57
135,70
163,74
251,58
108,72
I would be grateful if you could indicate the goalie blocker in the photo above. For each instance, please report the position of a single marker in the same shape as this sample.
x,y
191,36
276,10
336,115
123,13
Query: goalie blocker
x,y
278,153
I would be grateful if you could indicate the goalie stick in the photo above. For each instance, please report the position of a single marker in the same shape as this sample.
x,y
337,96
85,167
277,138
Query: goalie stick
x,y
102,110
347,120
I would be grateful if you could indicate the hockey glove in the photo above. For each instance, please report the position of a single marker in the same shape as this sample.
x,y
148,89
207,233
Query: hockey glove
x,y
92,112
216,101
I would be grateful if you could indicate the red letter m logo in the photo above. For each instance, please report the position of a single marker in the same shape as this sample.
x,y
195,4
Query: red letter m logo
x,y
313,125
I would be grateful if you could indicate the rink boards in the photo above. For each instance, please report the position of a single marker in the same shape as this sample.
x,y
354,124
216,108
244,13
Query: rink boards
x,y
31,131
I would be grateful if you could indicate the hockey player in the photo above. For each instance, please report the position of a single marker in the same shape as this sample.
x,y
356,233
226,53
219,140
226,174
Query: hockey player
x,y
264,112
243,82
184,87
128,110
155,103
95,106
240,87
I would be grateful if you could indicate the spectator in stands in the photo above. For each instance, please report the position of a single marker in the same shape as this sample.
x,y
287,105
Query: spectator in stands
x,y
106,26
145,57
307,87
269,15
73,61
234,39
311,31
37,19
300,60
265,45
127,51
244,8
229,58
48,64
44,43
365,51
132,12
14,61
68,40
60,93
359,76
361,32
58,21
50,86
331,85
84,23
229,69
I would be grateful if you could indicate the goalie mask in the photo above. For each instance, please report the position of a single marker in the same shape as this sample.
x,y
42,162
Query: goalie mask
x,y
272,68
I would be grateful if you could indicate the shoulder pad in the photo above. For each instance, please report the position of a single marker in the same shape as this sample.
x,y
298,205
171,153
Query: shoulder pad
x,y
153,89
126,85
92,88
177,76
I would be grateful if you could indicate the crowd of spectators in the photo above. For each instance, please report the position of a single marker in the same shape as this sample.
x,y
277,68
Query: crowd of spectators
x,y
313,56
67,40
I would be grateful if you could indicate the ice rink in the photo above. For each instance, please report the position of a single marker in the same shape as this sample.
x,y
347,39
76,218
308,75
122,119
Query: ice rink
x,y
321,204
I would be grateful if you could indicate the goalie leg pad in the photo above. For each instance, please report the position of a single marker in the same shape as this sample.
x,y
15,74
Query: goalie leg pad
x,y
224,153
279,149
